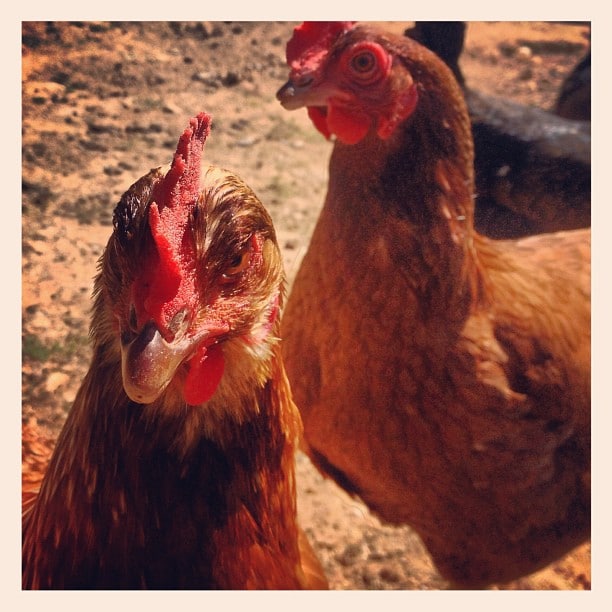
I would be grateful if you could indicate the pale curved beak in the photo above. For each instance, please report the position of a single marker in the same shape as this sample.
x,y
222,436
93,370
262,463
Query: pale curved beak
x,y
148,362
310,91
291,96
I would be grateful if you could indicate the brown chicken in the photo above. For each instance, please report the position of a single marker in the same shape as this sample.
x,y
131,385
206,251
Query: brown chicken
x,y
532,166
442,377
175,468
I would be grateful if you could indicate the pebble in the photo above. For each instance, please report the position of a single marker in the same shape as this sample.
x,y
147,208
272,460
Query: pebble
x,y
231,79
70,395
102,128
389,575
171,109
247,142
112,170
351,554
56,380
208,78
40,321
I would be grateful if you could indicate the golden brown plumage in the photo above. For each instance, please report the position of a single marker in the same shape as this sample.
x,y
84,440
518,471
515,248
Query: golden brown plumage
x,y
441,376
175,467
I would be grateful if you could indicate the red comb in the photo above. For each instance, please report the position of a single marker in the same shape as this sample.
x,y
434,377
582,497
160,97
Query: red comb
x,y
179,189
167,282
312,39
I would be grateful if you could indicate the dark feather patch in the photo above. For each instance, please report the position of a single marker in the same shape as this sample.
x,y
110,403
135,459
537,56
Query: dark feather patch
x,y
128,213
124,215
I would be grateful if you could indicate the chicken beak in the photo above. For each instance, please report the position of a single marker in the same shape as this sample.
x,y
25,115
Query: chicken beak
x,y
289,96
149,362
306,90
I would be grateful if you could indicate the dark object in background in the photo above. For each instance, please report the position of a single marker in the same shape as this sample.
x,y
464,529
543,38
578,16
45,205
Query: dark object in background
x,y
533,167
574,101
446,38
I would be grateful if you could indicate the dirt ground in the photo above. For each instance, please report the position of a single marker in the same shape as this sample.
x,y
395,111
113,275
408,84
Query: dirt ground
x,y
105,102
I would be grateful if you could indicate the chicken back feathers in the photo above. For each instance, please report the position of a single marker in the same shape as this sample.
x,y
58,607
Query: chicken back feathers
x,y
441,376
153,483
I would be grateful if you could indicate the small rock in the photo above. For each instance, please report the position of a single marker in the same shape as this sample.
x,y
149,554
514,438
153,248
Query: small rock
x,y
40,321
55,381
239,124
124,165
351,554
389,575
506,49
155,79
69,396
112,171
136,128
92,145
247,142
208,78
231,79
102,128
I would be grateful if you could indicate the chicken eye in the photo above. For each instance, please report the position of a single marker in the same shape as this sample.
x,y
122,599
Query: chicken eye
x,y
237,265
368,62
363,62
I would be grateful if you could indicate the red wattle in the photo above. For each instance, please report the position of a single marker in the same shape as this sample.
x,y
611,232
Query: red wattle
x,y
319,118
205,373
350,128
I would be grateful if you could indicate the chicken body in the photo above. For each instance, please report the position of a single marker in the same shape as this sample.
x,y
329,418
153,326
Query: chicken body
x,y
169,493
442,377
